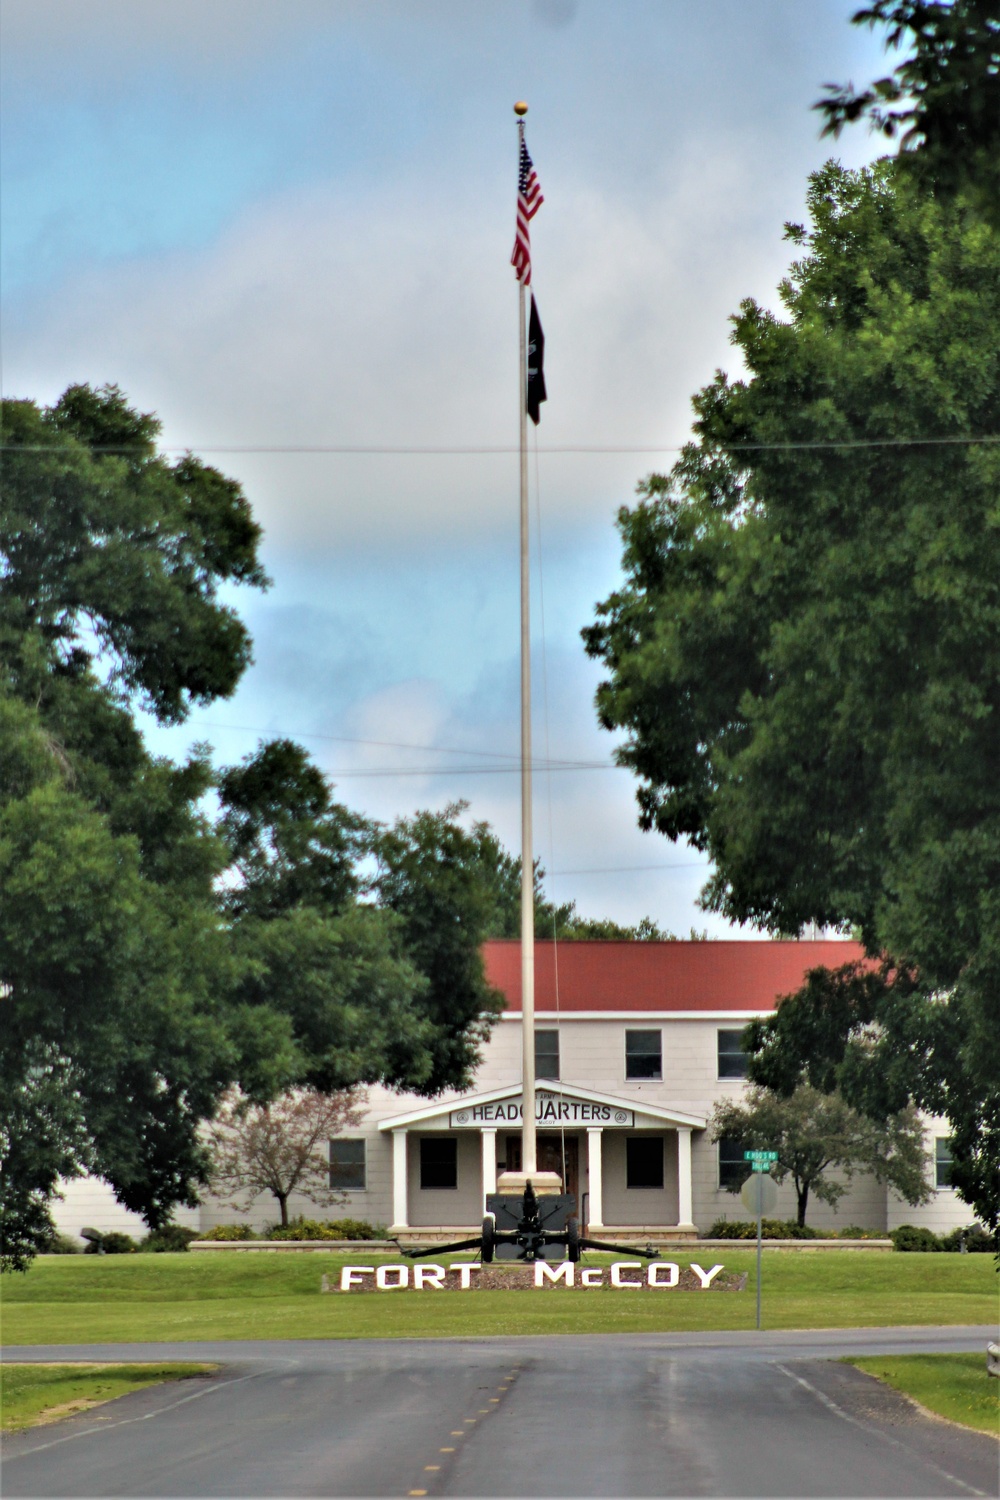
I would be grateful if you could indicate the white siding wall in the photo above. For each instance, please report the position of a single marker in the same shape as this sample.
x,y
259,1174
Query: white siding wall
x,y
592,1055
946,1210
88,1203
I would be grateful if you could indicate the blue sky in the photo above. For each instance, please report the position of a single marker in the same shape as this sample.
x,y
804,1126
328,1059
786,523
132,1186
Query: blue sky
x,y
289,225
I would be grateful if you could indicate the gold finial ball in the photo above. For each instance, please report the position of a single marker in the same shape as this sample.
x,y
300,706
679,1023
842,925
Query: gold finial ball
x,y
520,108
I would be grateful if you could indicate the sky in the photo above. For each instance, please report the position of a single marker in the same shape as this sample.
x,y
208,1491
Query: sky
x,y
288,227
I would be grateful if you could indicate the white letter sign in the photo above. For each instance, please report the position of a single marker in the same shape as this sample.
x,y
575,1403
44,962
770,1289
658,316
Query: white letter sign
x,y
562,1272
351,1276
401,1273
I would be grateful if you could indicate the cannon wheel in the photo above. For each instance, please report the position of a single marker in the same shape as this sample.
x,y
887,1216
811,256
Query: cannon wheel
x,y
489,1239
572,1239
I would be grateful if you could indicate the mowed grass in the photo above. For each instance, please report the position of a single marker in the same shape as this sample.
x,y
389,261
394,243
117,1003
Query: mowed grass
x,y
30,1394
955,1386
236,1295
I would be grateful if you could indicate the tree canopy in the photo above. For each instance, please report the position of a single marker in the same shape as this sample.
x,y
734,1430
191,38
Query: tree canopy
x,y
152,954
805,654
816,1134
943,98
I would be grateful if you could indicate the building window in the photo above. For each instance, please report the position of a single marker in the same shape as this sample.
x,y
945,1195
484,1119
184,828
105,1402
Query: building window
x,y
733,1170
347,1164
546,1054
942,1161
644,1161
732,1059
438,1161
643,1054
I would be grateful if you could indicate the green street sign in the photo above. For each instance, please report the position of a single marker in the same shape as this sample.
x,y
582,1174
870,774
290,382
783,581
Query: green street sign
x,y
760,1156
759,1166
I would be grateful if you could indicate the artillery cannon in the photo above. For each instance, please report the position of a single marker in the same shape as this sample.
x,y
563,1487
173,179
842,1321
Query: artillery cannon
x,y
523,1227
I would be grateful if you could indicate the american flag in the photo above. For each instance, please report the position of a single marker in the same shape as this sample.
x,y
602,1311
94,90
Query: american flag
x,y
529,201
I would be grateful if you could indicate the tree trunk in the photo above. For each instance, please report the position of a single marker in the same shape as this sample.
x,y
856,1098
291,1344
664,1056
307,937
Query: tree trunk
x,y
802,1194
283,1205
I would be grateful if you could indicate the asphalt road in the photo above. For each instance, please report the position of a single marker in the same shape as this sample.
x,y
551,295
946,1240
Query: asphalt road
x,y
768,1414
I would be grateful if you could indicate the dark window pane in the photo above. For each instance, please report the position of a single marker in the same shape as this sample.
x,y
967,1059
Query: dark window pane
x,y
942,1161
644,1161
546,1054
733,1170
643,1054
347,1164
438,1161
732,1059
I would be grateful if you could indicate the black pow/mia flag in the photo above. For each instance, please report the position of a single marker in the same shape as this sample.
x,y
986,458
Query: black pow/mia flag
x,y
536,363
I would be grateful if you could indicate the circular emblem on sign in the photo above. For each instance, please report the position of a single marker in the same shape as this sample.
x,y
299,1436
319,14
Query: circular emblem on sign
x,y
621,1118
462,1118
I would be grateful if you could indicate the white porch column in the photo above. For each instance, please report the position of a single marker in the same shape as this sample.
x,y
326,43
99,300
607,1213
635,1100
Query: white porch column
x,y
595,1185
399,1180
685,1208
489,1142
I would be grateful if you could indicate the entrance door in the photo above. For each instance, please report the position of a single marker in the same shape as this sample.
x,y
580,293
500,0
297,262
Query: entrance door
x,y
550,1159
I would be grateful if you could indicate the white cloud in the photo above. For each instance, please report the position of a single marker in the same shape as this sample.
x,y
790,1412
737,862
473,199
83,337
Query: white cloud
x,y
325,317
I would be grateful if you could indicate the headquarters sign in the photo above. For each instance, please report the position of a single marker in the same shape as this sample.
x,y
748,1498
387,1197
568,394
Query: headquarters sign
x,y
550,1109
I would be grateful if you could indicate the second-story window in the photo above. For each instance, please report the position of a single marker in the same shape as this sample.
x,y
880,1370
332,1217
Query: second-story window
x,y
732,1059
546,1054
643,1054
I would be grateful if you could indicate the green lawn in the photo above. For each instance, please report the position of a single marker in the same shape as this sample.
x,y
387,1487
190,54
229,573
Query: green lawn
x,y
235,1295
43,1393
955,1386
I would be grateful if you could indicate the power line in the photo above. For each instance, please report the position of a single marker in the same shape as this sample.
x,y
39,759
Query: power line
x,y
500,449
352,775
628,869
564,763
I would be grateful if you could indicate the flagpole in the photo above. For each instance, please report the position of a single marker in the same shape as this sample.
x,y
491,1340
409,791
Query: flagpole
x,y
529,1147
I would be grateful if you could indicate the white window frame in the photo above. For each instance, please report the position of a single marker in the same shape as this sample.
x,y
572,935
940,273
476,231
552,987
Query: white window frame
x,y
942,1187
649,1077
338,1186
728,1077
550,1031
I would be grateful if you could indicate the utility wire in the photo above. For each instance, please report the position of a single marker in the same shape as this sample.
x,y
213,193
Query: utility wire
x,y
412,451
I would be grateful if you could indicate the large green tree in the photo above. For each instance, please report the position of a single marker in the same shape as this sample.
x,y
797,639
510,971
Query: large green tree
x,y
115,972
805,653
149,956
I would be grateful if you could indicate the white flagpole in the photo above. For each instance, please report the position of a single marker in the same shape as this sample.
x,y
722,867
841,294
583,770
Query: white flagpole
x,y
529,1149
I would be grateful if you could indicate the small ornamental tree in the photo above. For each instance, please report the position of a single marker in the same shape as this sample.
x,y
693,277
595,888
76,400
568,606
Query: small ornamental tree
x,y
280,1148
814,1132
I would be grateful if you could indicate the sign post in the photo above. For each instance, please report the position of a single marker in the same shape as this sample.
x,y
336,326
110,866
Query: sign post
x,y
759,1194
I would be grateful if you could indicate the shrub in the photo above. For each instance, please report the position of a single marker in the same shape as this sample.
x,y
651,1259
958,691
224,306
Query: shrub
x,y
359,1229
914,1237
326,1229
229,1232
170,1237
112,1243
977,1240
770,1229
61,1244
855,1232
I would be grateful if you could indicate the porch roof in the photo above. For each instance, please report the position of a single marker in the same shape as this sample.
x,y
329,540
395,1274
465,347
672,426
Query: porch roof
x,y
429,1113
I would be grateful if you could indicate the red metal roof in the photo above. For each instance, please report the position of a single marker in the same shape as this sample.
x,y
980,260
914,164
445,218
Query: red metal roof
x,y
595,976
